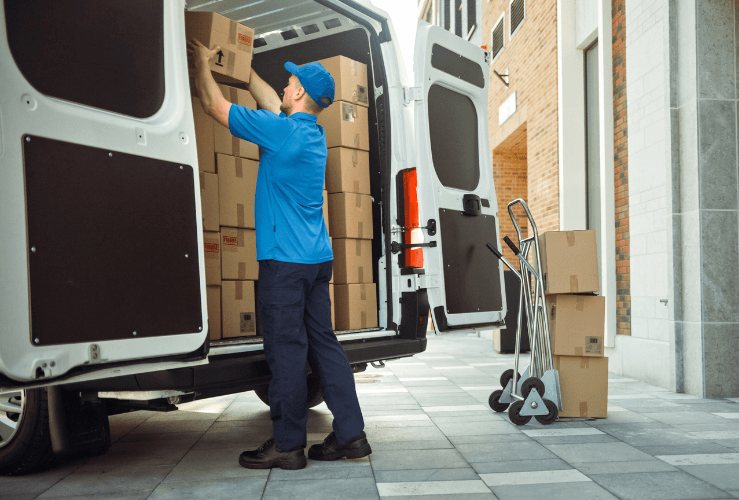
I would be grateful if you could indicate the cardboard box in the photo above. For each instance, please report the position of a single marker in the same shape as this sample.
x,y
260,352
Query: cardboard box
x,y
213,295
223,141
352,261
350,215
233,62
333,306
239,254
569,261
576,324
239,311
212,257
209,201
204,126
583,384
347,170
356,306
345,125
325,209
350,78
237,184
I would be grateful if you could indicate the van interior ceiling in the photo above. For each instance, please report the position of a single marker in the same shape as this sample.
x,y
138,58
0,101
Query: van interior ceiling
x,y
307,31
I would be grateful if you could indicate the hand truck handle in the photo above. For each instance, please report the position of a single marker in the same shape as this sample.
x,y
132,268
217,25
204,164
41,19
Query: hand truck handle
x,y
511,245
530,217
495,251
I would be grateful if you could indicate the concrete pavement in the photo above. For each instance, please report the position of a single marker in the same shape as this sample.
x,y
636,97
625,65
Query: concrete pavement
x,y
433,436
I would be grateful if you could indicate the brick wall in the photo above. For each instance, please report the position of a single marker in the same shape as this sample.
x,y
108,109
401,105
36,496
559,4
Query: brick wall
x,y
530,58
621,160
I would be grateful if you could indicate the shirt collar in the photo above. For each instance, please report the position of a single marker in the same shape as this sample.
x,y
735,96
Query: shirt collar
x,y
304,116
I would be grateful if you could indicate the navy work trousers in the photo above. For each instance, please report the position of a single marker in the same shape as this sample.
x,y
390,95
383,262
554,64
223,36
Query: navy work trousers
x,y
295,309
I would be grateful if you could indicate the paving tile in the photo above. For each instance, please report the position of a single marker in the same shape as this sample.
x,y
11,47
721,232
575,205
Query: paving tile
x,y
597,452
132,494
524,450
724,476
213,463
520,466
204,487
114,480
603,438
534,477
490,439
657,486
621,418
582,431
701,459
400,476
429,444
419,488
716,434
340,469
417,459
476,428
375,434
706,447
321,489
559,491
624,467
676,417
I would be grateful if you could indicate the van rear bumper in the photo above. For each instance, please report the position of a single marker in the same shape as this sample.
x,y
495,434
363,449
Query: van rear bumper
x,y
232,373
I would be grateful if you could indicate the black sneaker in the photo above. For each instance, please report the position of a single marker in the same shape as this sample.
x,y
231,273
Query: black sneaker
x,y
331,449
269,455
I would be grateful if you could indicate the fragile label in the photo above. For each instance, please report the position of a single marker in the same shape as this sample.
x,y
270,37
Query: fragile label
x,y
248,322
211,250
244,40
230,243
593,345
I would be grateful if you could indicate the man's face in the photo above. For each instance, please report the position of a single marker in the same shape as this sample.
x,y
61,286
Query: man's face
x,y
289,94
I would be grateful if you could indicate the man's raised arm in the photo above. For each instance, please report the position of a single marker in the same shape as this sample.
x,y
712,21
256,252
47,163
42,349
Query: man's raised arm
x,y
210,95
265,95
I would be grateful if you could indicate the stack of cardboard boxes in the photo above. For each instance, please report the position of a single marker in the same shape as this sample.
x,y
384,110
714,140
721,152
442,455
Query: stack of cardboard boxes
x,y
569,261
349,202
228,176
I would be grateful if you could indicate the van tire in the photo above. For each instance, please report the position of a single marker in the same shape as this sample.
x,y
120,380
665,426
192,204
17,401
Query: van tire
x,y
29,450
315,393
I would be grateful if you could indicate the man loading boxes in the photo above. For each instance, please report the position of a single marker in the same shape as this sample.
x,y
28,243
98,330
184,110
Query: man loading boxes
x,y
295,259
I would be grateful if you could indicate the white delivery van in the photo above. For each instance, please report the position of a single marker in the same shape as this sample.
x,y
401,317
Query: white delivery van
x,y
102,289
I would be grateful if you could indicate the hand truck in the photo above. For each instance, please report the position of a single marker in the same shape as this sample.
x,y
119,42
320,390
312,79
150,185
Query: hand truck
x,y
539,395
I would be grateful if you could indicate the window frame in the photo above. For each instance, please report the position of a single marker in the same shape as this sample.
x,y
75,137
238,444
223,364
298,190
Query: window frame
x,y
511,34
492,42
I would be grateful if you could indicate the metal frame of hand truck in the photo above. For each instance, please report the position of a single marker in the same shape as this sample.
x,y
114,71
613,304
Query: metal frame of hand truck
x,y
541,366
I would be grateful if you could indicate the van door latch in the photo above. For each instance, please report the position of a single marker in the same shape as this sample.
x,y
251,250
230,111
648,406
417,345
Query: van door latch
x,y
396,247
411,94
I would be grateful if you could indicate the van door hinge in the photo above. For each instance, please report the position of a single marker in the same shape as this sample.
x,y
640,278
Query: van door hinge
x,y
411,94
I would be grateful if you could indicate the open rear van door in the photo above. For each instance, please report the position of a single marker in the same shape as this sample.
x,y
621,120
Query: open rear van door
x,y
455,181
101,268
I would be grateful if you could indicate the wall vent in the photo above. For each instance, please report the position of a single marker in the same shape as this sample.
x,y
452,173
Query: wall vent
x,y
518,14
497,37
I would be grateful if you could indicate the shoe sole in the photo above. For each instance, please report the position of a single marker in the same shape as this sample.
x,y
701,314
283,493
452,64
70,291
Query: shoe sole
x,y
296,464
360,452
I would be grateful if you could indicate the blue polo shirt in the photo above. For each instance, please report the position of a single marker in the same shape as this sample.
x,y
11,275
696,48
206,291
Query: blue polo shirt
x,y
288,204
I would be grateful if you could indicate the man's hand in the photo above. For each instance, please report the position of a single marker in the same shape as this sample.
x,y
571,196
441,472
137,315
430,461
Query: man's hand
x,y
210,95
199,54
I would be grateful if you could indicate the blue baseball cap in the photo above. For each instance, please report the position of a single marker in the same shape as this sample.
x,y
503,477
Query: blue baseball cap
x,y
316,81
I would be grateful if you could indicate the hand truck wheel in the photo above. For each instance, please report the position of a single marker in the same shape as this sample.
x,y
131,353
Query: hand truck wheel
x,y
514,414
550,417
506,377
494,402
532,383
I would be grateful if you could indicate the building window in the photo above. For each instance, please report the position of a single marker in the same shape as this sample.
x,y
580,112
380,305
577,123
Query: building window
x,y
471,17
518,15
458,18
497,37
447,14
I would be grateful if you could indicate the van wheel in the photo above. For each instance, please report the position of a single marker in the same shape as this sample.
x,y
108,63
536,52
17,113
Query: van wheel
x,y
315,393
25,442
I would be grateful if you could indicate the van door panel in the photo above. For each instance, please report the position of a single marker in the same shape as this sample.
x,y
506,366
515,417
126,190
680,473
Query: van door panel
x,y
455,180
